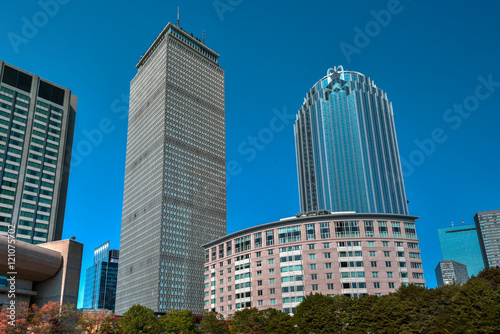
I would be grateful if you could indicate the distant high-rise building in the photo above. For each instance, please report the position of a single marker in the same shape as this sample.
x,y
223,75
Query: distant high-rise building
x,y
346,146
175,175
37,120
100,282
488,229
461,244
451,272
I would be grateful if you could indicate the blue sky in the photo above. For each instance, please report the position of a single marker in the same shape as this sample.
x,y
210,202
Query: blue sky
x,y
430,58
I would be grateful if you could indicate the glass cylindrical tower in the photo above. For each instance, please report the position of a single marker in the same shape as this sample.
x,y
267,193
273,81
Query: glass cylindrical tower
x,y
347,151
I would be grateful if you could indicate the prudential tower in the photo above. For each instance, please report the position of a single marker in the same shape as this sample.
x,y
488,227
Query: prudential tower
x,y
175,182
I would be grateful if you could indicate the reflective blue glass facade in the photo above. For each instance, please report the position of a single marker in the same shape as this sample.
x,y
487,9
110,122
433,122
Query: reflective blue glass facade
x,y
461,244
346,146
100,281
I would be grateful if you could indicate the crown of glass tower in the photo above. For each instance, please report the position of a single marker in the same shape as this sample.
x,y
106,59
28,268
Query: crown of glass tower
x,y
347,152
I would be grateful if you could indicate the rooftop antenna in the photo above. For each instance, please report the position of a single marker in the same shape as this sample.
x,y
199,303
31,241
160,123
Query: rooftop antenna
x,y
452,224
177,16
463,222
203,36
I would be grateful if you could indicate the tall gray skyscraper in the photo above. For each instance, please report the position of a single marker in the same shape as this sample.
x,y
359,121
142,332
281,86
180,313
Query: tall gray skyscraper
x,y
175,180
347,151
37,120
488,230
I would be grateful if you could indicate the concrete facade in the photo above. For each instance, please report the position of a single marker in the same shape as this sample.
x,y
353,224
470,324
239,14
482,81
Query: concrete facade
x,y
277,264
451,272
37,120
47,272
174,196
488,230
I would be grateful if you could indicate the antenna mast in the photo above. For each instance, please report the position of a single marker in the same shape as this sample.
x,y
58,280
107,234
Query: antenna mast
x,y
203,36
177,16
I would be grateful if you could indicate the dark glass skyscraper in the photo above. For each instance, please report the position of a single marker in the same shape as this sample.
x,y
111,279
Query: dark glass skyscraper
x,y
175,174
100,281
347,151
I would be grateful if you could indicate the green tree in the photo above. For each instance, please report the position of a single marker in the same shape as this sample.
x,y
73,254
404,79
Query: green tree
x,y
140,320
315,315
476,308
276,321
213,323
247,321
177,322
110,326
492,275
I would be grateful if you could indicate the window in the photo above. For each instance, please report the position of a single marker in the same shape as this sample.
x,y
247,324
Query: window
x,y
389,274
418,275
315,287
330,286
257,239
259,282
382,229
259,292
259,272
391,285
396,229
272,291
347,229
271,271
410,230
373,264
328,265
258,254
372,254
259,263
414,255
387,254
376,285
314,277
221,282
402,264
310,232
324,230
271,261
326,245
311,246
312,256
313,266
385,243
416,265
270,238
260,302
329,276
289,234
327,255
273,301
388,264
371,244
270,252
374,273
271,281
242,244
221,299
369,230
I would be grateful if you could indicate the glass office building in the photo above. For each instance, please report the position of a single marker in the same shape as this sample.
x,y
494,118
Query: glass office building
x,y
100,281
175,174
346,146
37,120
488,229
461,244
